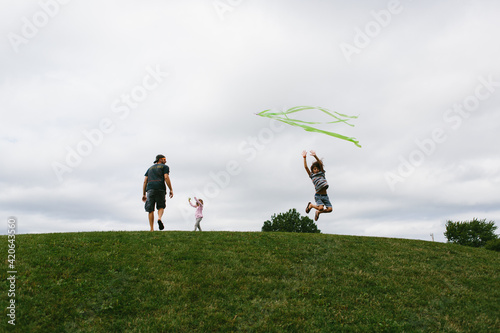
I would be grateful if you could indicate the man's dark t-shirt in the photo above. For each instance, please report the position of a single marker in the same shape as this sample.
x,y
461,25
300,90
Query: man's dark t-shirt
x,y
156,177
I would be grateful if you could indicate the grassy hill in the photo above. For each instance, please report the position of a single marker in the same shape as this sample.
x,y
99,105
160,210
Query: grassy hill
x,y
250,282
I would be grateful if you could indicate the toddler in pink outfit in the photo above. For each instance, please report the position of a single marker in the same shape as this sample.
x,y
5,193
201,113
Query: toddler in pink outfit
x,y
199,212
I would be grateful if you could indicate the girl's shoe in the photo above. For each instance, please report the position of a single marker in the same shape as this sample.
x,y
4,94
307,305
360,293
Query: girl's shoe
x,y
308,209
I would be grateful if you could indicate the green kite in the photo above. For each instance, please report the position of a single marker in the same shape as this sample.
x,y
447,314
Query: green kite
x,y
283,117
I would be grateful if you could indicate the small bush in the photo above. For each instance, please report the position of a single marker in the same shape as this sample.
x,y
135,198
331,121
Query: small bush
x,y
493,245
290,221
475,233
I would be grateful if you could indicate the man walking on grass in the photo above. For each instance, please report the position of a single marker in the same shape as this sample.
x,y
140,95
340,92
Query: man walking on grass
x,y
154,190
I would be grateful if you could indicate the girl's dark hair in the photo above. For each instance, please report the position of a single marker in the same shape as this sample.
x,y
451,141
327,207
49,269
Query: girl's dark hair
x,y
317,165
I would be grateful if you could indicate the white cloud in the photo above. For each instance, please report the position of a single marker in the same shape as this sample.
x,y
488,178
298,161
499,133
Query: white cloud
x,y
67,78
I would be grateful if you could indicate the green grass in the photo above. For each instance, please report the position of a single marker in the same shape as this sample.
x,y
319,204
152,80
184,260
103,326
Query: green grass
x,y
249,282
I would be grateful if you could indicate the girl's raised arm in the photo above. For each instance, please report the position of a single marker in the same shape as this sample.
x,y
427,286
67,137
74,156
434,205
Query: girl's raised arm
x,y
304,155
313,153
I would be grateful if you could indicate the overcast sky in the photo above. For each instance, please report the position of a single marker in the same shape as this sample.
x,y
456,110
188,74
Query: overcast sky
x,y
91,91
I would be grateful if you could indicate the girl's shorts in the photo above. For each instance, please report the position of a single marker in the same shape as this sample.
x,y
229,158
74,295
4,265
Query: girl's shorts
x,y
322,200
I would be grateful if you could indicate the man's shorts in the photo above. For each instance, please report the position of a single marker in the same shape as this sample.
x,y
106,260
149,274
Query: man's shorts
x,y
322,200
155,197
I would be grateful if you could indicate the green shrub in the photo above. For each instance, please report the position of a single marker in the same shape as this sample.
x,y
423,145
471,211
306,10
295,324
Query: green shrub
x,y
493,245
290,221
475,233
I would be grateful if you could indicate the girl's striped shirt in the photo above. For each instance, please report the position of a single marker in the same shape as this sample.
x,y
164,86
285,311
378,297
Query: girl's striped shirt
x,y
319,181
